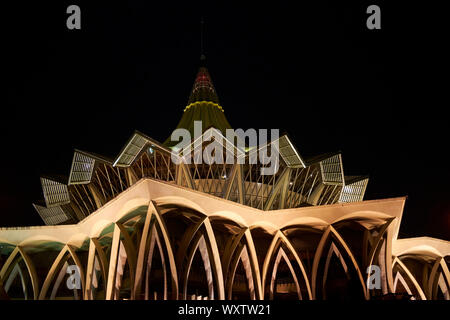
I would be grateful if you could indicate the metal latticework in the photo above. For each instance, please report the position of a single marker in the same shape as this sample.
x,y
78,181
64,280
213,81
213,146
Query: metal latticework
x,y
82,168
289,154
131,150
354,191
52,215
332,170
55,193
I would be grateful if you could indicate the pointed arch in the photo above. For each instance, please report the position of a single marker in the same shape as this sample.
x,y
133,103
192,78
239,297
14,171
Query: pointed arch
x,y
8,262
333,250
16,272
201,246
277,240
31,272
155,241
169,250
282,255
325,237
399,277
242,257
60,259
410,277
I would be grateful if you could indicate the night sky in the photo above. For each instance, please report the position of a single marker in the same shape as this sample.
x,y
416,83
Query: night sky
x,y
312,70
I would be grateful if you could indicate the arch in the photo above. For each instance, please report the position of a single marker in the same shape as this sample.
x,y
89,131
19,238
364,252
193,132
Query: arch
x,y
31,272
410,276
282,255
229,215
16,271
364,215
39,239
305,221
375,250
328,232
154,240
399,277
201,246
333,250
276,242
270,228
77,240
169,250
98,227
178,201
129,206
244,258
61,258
216,259
8,262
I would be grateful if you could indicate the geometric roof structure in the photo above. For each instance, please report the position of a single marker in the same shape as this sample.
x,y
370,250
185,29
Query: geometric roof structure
x,y
145,225
94,179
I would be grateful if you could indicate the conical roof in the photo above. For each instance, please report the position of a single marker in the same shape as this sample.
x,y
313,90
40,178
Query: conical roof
x,y
203,105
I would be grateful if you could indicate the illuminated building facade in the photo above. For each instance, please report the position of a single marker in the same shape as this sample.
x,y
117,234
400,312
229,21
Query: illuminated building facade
x,y
143,227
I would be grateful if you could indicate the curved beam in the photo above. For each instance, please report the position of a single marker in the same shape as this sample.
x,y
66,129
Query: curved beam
x,y
245,259
353,260
335,250
17,271
113,263
277,239
59,279
79,265
255,264
187,239
169,250
217,265
131,253
291,248
154,239
51,273
411,277
433,275
230,248
399,277
32,273
201,245
316,261
282,254
8,262
141,254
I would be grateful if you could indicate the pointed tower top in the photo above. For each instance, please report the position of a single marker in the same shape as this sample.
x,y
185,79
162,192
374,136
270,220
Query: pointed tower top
x,y
203,88
203,105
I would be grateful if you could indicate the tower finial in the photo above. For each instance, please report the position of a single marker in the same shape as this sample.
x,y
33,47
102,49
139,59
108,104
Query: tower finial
x,y
202,53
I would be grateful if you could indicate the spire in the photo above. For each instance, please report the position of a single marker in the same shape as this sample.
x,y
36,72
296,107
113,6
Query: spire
x,y
203,88
202,52
203,105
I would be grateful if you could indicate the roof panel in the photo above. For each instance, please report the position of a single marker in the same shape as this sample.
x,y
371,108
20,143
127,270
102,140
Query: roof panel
x,y
354,192
82,168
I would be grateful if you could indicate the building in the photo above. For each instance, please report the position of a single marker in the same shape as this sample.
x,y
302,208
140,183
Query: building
x,y
143,227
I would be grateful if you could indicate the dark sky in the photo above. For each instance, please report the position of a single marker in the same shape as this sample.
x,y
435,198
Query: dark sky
x,y
313,70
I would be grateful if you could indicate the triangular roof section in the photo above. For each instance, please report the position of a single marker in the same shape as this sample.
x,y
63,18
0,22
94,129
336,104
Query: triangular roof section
x,y
83,165
354,188
134,146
